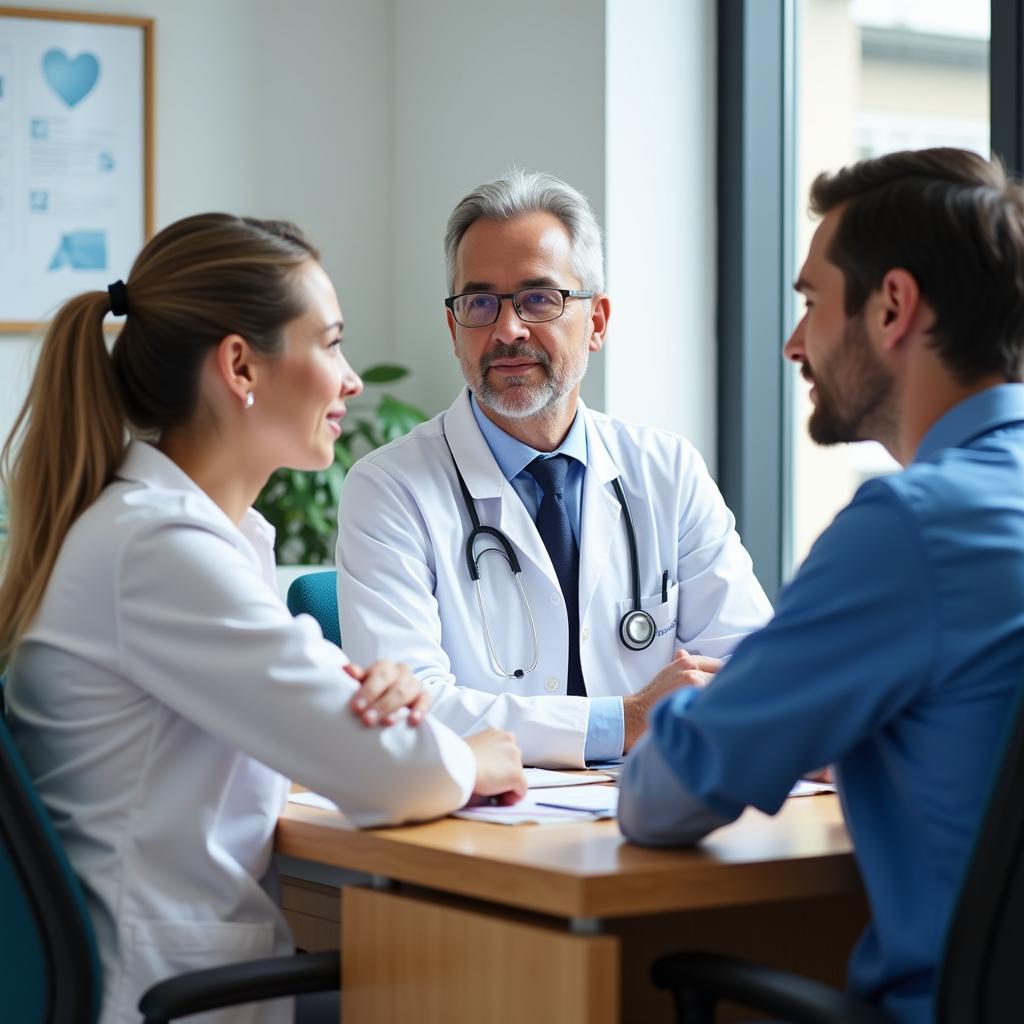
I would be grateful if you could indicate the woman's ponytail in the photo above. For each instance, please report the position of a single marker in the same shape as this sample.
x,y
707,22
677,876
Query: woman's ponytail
x,y
67,442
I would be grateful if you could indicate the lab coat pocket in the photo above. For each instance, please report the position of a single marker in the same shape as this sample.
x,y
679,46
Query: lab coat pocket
x,y
659,654
160,949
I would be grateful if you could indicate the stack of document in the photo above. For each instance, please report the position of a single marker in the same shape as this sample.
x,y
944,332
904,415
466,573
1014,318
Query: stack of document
x,y
553,798
545,778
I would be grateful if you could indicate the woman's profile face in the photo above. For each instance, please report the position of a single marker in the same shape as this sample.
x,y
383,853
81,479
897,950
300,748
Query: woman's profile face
x,y
300,406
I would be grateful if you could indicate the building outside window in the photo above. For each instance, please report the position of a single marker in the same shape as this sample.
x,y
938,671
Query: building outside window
x,y
873,76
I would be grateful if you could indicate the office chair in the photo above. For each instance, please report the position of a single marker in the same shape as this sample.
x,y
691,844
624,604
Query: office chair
x,y
51,970
980,978
316,594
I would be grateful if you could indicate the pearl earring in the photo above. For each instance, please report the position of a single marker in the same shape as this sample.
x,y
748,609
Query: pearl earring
x,y
250,399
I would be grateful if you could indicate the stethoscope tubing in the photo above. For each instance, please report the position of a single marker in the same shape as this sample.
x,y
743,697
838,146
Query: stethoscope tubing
x,y
634,548
636,628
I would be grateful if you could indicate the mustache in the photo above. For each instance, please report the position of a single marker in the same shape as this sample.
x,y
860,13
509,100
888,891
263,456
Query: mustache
x,y
520,351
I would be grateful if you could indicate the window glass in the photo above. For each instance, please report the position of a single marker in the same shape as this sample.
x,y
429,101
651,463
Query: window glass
x,y
873,76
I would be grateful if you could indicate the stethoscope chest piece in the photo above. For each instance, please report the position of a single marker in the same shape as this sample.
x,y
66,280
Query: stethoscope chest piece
x,y
637,629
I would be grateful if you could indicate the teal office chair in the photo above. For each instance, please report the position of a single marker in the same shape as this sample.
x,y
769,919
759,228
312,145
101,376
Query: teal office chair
x,y
50,966
980,977
316,594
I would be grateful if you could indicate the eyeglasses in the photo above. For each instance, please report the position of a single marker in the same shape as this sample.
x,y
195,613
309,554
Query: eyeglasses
x,y
534,305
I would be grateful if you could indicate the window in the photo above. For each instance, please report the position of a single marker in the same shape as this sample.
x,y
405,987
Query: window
x,y
872,76
804,86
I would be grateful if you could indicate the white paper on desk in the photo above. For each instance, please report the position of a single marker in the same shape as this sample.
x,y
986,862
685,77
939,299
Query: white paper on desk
x,y
544,778
805,787
530,814
313,800
598,800
576,804
571,804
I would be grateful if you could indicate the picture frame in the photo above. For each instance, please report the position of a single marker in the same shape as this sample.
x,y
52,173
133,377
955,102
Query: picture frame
x,y
76,156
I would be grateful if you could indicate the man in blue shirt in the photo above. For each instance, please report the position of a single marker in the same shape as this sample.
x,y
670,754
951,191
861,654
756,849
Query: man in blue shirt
x,y
897,650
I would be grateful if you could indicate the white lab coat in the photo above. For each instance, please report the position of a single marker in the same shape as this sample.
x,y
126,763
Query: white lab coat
x,y
161,698
404,587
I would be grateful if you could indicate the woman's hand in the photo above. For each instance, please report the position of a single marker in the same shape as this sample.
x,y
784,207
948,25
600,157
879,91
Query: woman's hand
x,y
385,689
499,767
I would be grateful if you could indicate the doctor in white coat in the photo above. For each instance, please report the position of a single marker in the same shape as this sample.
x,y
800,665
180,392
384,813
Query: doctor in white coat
x,y
557,653
160,692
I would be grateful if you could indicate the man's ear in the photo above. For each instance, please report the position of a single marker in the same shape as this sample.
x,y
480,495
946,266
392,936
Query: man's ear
x,y
898,307
451,323
236,366
600,313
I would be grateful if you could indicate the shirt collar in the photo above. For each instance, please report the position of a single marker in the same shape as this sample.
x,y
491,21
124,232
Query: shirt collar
x,y
986,411
144,463
512,456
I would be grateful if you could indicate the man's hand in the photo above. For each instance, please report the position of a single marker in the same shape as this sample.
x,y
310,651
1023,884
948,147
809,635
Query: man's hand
x,y
683,670
499,767
385,689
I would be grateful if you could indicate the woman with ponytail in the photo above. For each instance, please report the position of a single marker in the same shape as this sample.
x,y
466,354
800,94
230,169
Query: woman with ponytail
x,y
160,692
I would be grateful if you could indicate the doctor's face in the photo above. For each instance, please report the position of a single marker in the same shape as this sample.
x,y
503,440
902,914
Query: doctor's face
x,y
519,369
851,387
300,407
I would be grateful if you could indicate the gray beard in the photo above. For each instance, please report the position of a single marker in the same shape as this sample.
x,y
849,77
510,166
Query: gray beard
x,y
527,400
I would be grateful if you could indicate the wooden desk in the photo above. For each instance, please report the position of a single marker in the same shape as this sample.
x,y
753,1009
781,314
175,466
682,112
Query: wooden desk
x,y
476,922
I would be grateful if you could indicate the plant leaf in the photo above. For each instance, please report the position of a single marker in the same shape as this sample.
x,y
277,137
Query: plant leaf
x,y
383,373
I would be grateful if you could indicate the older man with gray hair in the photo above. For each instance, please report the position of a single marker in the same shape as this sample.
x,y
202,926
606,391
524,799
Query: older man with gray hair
x,y
543,568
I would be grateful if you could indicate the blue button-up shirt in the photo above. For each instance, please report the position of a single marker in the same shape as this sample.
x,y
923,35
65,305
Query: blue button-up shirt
x,y
606,722
896,653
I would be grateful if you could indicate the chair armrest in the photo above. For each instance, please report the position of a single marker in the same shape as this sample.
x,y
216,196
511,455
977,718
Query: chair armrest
x,y
698,980
234,984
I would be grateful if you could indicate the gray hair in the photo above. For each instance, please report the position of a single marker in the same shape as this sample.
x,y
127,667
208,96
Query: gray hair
x,y
521,192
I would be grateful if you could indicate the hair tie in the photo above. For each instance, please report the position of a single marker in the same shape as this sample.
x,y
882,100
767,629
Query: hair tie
x,y
118,298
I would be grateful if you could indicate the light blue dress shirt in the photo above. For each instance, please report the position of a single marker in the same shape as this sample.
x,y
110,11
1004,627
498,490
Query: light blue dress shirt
x,y
895,654
606,727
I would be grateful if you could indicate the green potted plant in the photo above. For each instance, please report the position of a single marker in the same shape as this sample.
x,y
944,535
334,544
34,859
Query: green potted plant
x,y
302,507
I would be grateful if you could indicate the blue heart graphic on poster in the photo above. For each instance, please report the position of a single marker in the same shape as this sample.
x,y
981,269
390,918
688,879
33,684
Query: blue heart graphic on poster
x,y
71,80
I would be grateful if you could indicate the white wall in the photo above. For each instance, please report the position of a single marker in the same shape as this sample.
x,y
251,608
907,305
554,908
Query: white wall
x,y
660,360
271,109
480,87
366,120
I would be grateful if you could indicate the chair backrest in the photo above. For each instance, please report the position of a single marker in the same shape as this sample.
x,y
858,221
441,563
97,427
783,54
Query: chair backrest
x,y
49,964
981,979
316,594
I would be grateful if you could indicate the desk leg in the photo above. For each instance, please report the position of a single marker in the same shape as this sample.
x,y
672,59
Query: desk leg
x,y
413,958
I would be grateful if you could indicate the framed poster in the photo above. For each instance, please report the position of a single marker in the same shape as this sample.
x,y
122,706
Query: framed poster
x,y
76,156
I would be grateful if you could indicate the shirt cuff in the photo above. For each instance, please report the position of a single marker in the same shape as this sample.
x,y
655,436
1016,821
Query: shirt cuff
x,y
606,729
655,808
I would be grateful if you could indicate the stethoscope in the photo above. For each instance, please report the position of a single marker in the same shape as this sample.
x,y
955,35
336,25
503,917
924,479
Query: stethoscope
x,y
636,627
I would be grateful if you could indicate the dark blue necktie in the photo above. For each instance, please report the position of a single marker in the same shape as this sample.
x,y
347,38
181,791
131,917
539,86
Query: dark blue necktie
x,y
556,531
